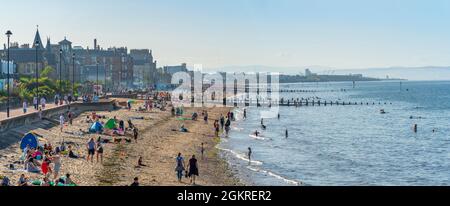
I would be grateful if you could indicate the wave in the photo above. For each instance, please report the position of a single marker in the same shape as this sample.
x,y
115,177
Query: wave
x,y
240,156
258,137
289,181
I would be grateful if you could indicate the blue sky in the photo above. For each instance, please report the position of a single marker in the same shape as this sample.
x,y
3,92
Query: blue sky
x,y
217,33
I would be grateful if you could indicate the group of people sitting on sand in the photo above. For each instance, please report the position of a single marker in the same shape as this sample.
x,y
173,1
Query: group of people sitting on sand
x,y
44,160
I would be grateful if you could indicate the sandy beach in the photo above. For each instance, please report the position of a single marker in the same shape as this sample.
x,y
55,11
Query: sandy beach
x,y
159,142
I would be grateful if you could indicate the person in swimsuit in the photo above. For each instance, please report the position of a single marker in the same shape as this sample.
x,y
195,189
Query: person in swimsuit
x,y
193,169
57,165
100,149
91,149
135,134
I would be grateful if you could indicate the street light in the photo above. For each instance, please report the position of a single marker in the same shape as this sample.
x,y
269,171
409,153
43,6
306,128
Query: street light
x,y
60,72
73,75
37,44
8,34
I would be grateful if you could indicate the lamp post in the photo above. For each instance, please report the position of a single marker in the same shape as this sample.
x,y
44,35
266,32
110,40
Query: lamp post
x,y
73,75
104,68
60,72
8,34
37,43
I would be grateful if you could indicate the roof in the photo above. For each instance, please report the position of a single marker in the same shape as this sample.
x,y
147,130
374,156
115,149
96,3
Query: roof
x,y
65,41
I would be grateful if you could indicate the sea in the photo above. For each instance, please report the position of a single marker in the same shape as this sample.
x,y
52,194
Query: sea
x,y
347,145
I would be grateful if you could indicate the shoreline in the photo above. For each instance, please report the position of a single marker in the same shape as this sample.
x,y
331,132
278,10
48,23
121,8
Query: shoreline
x,y
158,144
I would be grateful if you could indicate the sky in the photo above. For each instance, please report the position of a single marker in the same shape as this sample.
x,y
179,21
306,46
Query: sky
x,y
341,34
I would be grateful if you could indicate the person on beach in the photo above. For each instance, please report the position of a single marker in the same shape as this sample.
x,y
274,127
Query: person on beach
x,y
202,150
206,117
35,103
61,122
279,116
262,121
135,182
180,167
57,164
287,133
227,126
216,128
135,134
245,113
222,121
23,181
140,162
45,167
100,149
40,113
72,154
130,124
249,154
68,180
91,150
193,169
415,128
25,106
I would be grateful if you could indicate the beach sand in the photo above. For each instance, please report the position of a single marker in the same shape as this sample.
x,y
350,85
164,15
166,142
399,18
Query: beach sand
x,y
158,144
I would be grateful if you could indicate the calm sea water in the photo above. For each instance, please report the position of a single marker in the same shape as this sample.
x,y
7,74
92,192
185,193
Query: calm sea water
x,y
349,145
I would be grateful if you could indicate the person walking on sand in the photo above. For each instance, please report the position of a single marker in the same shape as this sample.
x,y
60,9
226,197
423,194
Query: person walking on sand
x,y
206,117
135,134
100,149
61,122
40,113
25,106
202,150
222,121
57,164
193,169
180,167
249,154
91,150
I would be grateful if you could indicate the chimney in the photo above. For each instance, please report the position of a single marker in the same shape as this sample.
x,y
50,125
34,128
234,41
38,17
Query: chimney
x,y
95,43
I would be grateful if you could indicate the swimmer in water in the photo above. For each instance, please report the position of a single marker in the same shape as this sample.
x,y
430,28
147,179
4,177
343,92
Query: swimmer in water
x,y
256,133
245,113
249,155
263,127
287,133
278,116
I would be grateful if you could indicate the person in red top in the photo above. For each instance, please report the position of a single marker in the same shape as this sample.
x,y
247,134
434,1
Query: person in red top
x,y
45,167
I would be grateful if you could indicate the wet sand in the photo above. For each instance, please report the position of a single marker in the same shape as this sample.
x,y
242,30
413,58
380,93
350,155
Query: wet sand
x,y
158,144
